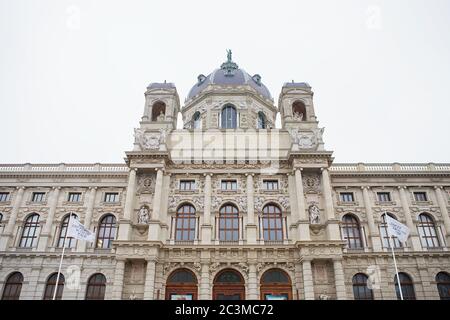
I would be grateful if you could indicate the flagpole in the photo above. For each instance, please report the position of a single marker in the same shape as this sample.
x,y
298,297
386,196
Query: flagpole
x,y
62,257
395,261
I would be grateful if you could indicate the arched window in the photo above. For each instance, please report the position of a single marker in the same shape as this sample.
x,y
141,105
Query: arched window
x,y
13,286
272,223
407,286
385,236
1,218
185,223
30,232
299,111
443,285
50,287
360,289
106,232
229,117
229,223
427,231
158,111
96,287
181,285
262,123
276,285
196,121
351,232
228,285
70,241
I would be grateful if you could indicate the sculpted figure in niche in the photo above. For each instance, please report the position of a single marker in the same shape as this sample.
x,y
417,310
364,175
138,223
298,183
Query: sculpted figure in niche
x,y
143,215
314,214
161,116
298,116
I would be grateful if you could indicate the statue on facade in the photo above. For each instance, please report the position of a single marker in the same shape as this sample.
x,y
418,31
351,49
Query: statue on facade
x,y
161,116
143,215
298,116
314,214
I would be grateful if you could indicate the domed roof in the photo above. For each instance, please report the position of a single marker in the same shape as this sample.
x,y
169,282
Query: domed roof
x,y
229,74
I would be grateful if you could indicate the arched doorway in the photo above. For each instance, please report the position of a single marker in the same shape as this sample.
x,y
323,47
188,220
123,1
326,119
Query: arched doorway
x,y
276,285
181,285
229,285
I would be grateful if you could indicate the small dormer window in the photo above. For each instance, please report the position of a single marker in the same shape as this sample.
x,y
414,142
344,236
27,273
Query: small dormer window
x,y
257,79
201,78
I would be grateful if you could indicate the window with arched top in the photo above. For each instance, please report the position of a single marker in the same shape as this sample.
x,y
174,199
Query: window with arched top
x,y
299,111
106,232
387,241
181,285
228,223
50,287
196,121
30,232
13,286
262,122
158,111
272,223
351,232
95,289
443,285
185,223
1,217
229,117
427,231
68,242
407,286
360,289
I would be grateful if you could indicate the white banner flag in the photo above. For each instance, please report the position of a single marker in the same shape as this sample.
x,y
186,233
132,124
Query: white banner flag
x,y
396,229
78,231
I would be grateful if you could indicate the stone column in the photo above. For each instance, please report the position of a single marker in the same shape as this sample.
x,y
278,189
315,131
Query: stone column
x,y
206,226
332,222
415,241
154,229
252,282
81,245
7,232
46,230
301,219
205,287
118,279
149,286
125,223
374,234
339,280
444,211
251,227
308,283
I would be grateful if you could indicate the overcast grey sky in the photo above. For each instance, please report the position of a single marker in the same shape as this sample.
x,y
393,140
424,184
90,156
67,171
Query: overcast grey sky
x,y
73,73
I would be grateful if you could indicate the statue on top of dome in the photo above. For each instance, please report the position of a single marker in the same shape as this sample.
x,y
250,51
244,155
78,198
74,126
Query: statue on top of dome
x,y
229,55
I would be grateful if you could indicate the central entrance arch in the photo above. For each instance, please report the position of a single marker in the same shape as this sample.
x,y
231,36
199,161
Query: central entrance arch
x,y
229,285
276,285
181,285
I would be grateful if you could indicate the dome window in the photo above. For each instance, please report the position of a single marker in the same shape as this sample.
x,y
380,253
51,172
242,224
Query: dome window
x,y
201,78
257,79
196,120
262,123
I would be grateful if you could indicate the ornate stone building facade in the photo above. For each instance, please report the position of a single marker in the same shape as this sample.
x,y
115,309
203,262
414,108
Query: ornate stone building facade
x,y
228,207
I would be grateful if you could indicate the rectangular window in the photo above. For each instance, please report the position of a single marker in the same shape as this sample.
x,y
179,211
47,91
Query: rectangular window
x,y
38,196
384,196
187,184
270,184
111,197
347,197
229,185
74,197
4,196
420,196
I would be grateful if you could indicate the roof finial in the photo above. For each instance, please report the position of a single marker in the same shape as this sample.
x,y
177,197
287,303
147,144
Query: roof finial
x,y
229,55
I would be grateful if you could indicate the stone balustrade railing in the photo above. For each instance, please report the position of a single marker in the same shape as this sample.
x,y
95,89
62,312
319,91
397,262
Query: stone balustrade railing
x,y
390,167
62,167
